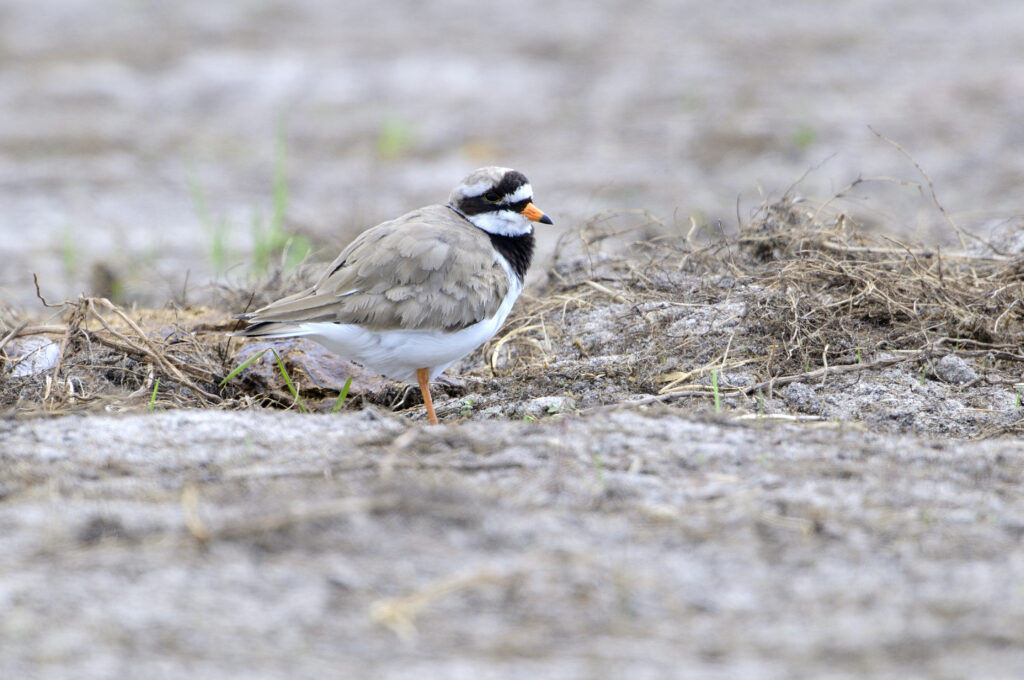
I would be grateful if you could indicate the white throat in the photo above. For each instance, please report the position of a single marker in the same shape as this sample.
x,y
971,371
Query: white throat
x,y
502,223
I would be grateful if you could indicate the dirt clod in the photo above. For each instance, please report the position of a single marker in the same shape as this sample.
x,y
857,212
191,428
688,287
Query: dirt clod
x,y
953,369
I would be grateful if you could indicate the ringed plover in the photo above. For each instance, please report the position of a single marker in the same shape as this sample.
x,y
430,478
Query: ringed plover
x,y
411,296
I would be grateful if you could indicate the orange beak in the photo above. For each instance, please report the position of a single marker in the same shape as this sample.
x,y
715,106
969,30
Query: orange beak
x,y
535,214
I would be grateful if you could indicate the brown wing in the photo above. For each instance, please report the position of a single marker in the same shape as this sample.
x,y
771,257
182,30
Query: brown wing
x,y
427,269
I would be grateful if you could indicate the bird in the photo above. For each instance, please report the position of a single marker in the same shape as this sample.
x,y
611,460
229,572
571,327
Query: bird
x,y
409,297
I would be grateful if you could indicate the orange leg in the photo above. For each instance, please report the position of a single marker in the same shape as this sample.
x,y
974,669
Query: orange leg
x,y
423,375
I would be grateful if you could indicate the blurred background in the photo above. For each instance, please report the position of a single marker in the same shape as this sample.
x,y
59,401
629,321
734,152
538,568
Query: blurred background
x,y
147,147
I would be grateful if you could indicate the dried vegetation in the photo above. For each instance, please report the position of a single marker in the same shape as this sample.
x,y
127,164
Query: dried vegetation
x,y
627,315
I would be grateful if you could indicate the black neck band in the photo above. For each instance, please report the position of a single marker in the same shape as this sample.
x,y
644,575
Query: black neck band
x,y
518,250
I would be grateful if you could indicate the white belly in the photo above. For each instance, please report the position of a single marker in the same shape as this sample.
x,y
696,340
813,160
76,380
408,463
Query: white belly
x,y
398,354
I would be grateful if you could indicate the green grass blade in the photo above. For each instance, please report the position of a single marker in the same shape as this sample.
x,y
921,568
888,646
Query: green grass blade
x,y
216,230
248,362
714,387
288,381
152,397
341,397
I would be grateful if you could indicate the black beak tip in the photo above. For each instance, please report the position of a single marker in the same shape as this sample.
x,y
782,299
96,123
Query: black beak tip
x,y
545,220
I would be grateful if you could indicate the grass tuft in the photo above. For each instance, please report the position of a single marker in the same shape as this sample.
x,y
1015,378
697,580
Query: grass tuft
x,y
270,240
69,252
804,136
394,139
216,229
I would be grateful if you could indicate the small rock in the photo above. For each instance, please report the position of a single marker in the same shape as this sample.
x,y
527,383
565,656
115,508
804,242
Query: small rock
x,y
32,356
545,406
953,369
802,397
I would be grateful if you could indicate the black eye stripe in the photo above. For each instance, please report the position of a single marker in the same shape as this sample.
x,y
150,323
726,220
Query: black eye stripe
x,y
475,206
478,204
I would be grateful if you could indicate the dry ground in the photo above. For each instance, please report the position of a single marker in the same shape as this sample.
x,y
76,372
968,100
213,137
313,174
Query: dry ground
x,y
622,544
851,510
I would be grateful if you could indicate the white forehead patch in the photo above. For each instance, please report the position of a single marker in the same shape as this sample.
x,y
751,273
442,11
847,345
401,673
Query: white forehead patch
x,y
523,193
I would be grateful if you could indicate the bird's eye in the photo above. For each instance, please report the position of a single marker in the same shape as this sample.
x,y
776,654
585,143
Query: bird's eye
x,y
492,197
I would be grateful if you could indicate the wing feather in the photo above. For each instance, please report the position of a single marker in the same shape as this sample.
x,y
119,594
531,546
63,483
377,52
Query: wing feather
x,y
427,269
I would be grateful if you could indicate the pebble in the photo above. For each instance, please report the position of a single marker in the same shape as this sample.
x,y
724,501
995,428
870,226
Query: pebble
x,y
953,369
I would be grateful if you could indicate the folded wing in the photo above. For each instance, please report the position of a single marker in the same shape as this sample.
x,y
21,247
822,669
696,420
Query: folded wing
x,y
422,270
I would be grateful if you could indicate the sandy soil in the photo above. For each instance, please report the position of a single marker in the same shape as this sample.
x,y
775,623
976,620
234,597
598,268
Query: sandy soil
x,y
644,544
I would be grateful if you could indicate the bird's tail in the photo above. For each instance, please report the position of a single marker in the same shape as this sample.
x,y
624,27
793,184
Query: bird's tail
x,y
272,329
